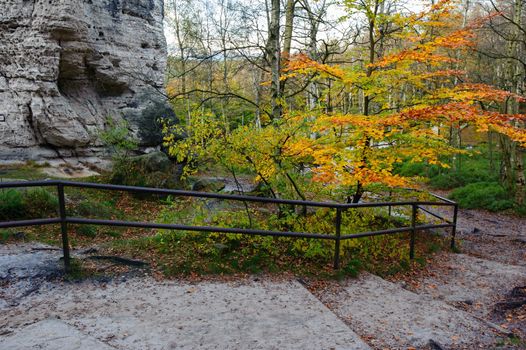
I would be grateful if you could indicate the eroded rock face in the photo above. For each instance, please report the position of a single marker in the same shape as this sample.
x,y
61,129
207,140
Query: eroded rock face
x,y
68,65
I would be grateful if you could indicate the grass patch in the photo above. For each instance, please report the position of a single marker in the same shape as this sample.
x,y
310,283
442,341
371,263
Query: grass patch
x,y
89,208
8,235
39,202
28,171
76,271
87,230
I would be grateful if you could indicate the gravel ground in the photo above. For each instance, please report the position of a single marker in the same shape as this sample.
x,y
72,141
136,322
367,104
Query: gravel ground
x,y
51,334
489,279
493,236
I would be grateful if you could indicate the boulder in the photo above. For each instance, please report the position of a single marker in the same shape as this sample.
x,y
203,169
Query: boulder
x,y
209,185
151,162
149,170
68,65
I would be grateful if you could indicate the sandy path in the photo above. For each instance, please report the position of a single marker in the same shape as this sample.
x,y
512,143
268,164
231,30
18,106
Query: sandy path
x,y
142,313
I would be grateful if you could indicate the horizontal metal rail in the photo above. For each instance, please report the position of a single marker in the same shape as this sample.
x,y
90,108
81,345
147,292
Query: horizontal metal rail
x,y
32,222
197,228
17,184
394,230
64,220
377,233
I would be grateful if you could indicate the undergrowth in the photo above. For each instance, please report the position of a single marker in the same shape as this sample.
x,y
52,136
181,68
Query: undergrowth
x,y
27,204
487,195
472,179
187,252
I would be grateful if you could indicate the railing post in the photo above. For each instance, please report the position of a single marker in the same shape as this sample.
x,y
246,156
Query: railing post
x,y
63,226
454,229
413,232
390,200
338,224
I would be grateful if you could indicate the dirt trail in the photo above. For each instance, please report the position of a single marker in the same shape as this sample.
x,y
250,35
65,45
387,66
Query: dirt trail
x,y
489,235
493,236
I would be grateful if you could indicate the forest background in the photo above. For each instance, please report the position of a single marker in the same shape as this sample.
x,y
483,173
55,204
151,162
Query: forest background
x,y
334,98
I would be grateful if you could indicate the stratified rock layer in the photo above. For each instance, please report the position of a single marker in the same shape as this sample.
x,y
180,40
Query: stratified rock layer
x,y
66,66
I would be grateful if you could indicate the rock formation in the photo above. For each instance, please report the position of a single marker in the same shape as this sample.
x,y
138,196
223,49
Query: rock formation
x,y
66,66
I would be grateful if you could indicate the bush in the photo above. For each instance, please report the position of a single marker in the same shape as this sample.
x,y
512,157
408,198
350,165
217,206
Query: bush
x,y
521,210
487,195
31,204
410,169
38,202
11,205
467,175
118,138
234,252
465,169
148,170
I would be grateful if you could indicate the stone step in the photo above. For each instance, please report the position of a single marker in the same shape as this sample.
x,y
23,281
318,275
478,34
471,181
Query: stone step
x,y
389,316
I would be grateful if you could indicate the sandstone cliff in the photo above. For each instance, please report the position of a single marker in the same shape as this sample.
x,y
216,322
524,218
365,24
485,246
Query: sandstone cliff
x,y
68,65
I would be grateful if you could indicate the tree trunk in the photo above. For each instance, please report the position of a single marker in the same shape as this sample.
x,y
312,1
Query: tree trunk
x,y
289,22
520,180
182,57
506,163
366,97
509,154
273,57
287,36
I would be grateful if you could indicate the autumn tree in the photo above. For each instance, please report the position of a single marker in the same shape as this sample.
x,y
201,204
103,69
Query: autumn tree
x,y
403,86
409,93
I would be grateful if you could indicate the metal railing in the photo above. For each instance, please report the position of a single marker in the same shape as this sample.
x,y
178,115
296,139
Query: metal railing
x,y
64,219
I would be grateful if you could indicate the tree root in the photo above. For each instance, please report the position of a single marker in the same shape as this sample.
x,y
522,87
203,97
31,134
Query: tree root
x,y
119,260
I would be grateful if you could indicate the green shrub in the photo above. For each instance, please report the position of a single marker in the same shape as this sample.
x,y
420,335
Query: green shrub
x,y
467,175
234,252
410,169
465,169
11,205
31,204
38,202
9,234
118,138
487,195
352,268
444,181
521,210
148,170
